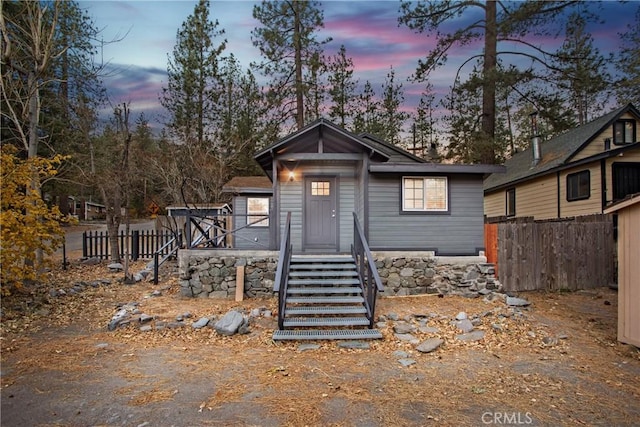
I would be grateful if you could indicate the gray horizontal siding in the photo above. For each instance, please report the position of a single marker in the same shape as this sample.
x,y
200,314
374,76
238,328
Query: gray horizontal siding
x,y
249,237
291,200
461,231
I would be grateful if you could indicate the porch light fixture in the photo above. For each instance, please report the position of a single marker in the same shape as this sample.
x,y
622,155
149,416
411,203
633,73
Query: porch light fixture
x,y
292,175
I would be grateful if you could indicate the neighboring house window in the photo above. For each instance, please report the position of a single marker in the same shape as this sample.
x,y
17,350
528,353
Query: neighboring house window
x,y
425,194
511,202
258,211
578,186
626,179
624,132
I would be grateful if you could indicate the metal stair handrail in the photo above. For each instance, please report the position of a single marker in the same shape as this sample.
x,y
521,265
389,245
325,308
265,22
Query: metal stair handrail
x,y
282,273
367,271
175,243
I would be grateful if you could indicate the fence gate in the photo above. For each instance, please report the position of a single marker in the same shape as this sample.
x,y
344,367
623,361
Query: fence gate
x,y
142,244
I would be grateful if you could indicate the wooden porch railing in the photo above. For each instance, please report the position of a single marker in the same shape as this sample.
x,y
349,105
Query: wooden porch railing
x,y
282,273
369,277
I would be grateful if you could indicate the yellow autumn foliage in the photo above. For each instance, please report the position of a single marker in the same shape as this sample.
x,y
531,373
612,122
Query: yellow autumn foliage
x,y
27,224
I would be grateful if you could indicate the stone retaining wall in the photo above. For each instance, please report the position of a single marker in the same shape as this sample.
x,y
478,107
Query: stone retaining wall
x,y
212,274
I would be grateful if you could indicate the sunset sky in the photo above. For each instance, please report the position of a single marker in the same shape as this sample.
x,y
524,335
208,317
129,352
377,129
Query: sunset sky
x,y
368,29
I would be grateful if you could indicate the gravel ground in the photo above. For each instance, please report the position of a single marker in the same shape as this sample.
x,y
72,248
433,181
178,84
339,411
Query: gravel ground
x,y
556,362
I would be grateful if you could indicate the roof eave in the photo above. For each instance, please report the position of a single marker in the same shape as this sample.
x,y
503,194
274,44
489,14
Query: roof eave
x,y
563,166
444,168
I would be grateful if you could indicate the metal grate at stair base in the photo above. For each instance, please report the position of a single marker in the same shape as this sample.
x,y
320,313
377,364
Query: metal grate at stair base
x,y
332,266
301,335
292,322
326,300
310,259
324,290
327,309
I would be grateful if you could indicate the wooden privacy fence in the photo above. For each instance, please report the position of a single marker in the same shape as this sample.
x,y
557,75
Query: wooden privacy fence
x,y
554,255
142,243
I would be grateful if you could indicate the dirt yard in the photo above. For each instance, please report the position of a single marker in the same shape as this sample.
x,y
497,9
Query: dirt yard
x,y
555,363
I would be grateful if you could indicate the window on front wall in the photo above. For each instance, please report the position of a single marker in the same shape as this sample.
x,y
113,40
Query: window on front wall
x,y
624,132
511,202
425,194
258,211
578,186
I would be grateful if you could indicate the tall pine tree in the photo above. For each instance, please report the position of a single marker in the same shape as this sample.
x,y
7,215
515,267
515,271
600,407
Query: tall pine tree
x,y
581,71
287,41
191,96
342,88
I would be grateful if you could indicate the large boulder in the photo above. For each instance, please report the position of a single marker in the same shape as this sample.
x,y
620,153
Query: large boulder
x,y
229,323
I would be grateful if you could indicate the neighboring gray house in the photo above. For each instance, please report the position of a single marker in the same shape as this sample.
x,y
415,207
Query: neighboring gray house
x,y
323,174
252,203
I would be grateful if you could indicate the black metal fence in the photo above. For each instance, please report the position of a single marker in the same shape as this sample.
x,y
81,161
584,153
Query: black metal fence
x,y
143,244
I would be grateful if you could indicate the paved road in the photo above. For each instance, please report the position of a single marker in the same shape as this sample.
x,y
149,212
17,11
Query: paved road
x,y
73,238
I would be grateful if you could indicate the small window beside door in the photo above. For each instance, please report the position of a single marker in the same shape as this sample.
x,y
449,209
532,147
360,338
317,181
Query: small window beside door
x,y
258,211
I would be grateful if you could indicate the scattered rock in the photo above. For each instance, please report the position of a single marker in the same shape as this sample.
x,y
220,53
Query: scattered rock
x,y
406,337
461,316
144,318
471,336
407,362
146,328
403,328
401,354
118,318
357,345
114,267
244,327
428,330
200,323
517,302
91,261
430,345
230,323
307,347
464,325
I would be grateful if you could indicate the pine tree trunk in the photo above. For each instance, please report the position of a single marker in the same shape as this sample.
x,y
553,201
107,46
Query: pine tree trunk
x,y
298,60
487,152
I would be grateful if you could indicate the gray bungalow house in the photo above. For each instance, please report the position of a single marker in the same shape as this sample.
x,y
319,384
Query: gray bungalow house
x,y
323,174
338,218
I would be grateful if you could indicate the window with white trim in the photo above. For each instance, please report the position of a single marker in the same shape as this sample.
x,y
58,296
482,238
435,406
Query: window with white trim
x,y
425,194
258,211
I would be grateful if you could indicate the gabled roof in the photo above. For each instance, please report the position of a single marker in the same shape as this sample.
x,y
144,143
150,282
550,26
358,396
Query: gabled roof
x,y
334,140
555,153
248,184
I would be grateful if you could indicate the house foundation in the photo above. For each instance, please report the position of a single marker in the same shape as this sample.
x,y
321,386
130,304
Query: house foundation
x,y
205,273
